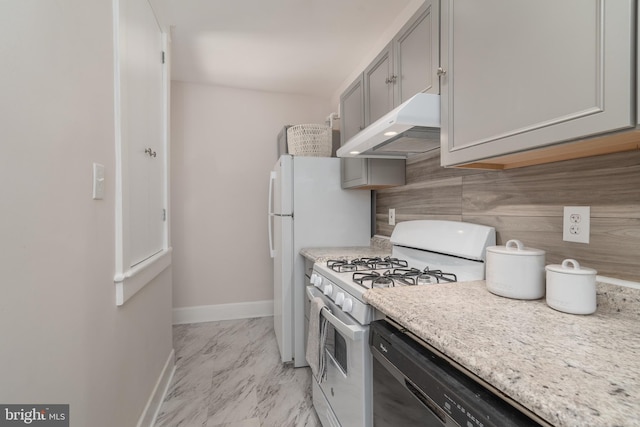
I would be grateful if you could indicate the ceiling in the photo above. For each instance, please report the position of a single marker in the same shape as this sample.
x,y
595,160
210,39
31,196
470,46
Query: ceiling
x,y
292,46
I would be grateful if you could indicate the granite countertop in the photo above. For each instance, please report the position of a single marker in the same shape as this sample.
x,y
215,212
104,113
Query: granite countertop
x,y
380,247
570,370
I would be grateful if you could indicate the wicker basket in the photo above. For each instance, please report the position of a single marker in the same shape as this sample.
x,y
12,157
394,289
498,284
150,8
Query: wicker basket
x,y
309,140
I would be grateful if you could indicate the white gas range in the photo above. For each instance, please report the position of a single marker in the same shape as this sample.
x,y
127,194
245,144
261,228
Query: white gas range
x,y
423,253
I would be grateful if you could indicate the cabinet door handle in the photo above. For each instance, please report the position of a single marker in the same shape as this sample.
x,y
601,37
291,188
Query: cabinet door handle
x,y
391,79
441,72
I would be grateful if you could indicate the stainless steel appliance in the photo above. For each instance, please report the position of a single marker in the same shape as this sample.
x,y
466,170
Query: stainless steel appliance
x,y
307,208
414,385
423,253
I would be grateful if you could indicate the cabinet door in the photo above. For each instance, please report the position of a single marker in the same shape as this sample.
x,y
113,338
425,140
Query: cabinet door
x,y
354,172
378,86
416,51
142,100
522,75
352,110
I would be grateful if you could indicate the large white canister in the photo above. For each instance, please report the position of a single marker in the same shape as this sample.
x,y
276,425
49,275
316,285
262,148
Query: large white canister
x,y
515,271
571,288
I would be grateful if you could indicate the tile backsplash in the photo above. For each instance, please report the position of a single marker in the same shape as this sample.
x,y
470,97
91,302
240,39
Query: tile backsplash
x,y
528,204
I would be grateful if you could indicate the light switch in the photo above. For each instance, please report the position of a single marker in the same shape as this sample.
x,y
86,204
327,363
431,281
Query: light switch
x,y
98,181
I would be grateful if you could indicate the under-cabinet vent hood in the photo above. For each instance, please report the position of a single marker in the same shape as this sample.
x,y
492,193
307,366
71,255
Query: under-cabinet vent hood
x,y
412,127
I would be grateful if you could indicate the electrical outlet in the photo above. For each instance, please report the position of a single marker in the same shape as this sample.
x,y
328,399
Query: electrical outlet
x,y
392,217
576,224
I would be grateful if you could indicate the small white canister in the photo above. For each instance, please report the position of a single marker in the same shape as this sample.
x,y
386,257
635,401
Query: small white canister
x,y
515,271
571,288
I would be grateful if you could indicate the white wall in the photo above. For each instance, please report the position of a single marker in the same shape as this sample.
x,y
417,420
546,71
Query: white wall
x,y
63,338
223,146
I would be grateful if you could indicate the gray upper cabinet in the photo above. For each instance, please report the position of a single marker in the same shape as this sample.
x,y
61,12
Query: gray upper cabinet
x,y
406,66
352,110
353,172
372,174
363,173
378,84
525,75
417,54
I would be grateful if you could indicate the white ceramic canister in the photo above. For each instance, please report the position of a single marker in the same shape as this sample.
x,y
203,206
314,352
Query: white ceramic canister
x,y
515,271
571,288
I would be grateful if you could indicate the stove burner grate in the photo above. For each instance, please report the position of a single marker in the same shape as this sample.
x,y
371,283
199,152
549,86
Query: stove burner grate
x,y
401,276
374,279
365,264
427,276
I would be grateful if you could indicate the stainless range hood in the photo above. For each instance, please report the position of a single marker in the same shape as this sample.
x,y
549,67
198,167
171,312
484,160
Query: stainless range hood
x,y
412,127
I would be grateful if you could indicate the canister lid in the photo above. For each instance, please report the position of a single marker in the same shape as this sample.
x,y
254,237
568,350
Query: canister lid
x,y
570,266
515,247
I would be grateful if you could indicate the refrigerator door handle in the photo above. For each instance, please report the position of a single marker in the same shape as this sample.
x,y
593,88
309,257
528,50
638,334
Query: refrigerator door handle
x,y
272,180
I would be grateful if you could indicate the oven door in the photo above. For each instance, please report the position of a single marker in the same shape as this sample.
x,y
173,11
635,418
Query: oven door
x,y
347,388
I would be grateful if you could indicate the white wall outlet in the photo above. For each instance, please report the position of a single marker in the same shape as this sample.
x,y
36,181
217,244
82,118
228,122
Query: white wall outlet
x,y
392,217
576,224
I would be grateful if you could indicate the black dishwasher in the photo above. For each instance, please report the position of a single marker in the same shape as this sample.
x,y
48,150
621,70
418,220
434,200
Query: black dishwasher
x,y
412,386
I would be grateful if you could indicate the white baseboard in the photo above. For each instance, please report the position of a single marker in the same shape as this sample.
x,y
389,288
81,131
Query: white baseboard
x,y
150,413
211,313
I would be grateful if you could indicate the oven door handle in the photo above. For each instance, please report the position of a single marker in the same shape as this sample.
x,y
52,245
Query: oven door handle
x,y
354,333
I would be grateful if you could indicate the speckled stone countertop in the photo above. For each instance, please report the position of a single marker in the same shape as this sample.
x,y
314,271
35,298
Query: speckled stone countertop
x,y
570,370
380,247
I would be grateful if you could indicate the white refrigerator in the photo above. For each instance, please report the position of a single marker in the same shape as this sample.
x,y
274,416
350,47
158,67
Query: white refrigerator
x,y
307,208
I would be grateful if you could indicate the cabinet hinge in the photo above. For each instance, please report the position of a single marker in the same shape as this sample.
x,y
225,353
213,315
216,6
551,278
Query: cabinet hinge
x,y
163,57
164,214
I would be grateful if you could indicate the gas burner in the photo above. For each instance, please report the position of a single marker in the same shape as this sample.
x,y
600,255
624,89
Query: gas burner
x,y
387,262
363,264
345,266
401,276
426,276
374,279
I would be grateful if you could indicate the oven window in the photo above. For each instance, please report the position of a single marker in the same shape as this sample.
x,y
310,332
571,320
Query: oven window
x,y
336,346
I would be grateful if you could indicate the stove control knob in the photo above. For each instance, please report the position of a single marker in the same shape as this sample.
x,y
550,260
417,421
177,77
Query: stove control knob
x,y
347,305
339,298
316,280
328,289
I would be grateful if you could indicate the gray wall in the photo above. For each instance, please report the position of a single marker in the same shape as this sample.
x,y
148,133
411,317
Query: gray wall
x,y
63,338
223,147
527,204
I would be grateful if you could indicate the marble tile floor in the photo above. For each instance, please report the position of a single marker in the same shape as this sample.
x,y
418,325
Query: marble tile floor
x,y
229,374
